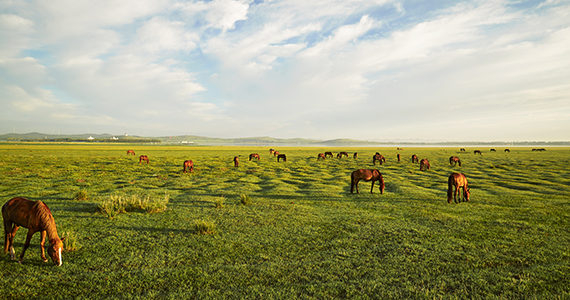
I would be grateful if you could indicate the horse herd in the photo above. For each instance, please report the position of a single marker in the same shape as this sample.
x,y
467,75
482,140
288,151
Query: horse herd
x,y
36,216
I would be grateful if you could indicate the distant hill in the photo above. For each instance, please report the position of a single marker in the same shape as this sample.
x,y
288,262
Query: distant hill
x,y
105,137
265,140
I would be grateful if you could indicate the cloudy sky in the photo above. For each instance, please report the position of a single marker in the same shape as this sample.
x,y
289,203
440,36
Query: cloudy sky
x,y
322,69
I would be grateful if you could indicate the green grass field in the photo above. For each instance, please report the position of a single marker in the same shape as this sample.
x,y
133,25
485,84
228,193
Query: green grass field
x,y
269,230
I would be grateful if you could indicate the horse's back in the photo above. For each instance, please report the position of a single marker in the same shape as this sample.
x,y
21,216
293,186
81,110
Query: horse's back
x,y
365,174
19,209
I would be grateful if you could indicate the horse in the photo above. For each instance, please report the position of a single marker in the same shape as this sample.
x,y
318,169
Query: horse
x,y
355,155
366,175
344,153
35,216
271,151
379,158
415,158
399,148
462,150
459,181
275,153
477,152
328,153
282,156
398,156
507,150
189,165
454,160
493,150
338,156
131,152
254,155
321,155
424,164
143,158
236,162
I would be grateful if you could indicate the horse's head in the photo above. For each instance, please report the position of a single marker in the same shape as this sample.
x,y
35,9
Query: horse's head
x,y
54,251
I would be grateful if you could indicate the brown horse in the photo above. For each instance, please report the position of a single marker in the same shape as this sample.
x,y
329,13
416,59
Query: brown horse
x,y
236,162
35,216
477,152
454,160
328,153
275,153
424,165
366,175
282,156
462,150
493,150
271,151
189,165
343,153
254,155
143,158
459,181
321,155
129,152
507,150
415,158
355,155
398,156
379,158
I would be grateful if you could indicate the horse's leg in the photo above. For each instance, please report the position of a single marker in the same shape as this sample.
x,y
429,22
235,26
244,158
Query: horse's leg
x,y
26,244
42,243
372,188
356,183
7,233
455,194
11,241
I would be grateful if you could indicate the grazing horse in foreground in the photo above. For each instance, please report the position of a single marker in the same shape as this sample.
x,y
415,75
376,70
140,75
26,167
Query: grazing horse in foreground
x,y
415,159
143,158
328,153
35,216
477,152
189,165
424,164
236,161
366,175
398,156
321,155
355,156
454,160
254,155
378,157
507,150
282,156
343,153
459,181
129,152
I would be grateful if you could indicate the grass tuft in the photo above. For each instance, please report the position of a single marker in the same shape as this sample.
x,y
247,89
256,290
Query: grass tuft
x,y
117,204
219,203
70,243
81,195
245,199
204,227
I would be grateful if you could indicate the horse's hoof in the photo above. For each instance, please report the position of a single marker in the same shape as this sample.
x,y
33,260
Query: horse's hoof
x,y
20,262
45,260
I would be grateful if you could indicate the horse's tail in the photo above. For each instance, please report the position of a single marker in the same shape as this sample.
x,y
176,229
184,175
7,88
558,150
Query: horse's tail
x,y
449,189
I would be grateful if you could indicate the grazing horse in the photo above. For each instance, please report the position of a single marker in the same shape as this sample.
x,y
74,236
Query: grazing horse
x,y
424,164
271,151
343,153
131,152
355,156
459,181
328,153
35,216
378,157
454,160
254,155
282,156
398,156
143,158
493,150
400,148
338,156
507,150
321,155
477,152
236,162
366,175
415,159
462,149
189,165
275,153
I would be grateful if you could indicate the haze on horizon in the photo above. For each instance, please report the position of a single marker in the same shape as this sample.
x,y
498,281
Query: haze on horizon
x,y
369,70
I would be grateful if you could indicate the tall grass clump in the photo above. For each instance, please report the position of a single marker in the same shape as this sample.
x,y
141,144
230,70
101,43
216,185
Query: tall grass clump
x,y
117,204
204,227
219,203
245,199
81,195
70,242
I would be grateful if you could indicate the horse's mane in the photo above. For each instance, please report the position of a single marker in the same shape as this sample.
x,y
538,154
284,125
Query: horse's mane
x,y
43,214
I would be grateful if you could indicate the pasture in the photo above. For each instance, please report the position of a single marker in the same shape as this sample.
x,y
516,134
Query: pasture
x,y
284,230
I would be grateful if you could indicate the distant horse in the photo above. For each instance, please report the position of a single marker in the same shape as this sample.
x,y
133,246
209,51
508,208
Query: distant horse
x,y
254,155
275,153
236,162
143,158
131,152
366,175
328,153
321,155
424,164
398,156
400,148
343,153
189,165
271,151
35,216
281,156
459,181
378,157
507,150
493,150
462,149
355,156
338,156
477,152
415,159
454,160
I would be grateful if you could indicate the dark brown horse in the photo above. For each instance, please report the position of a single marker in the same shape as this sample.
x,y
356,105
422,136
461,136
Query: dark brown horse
x,y
366,175
236,162
328,153
281,156
459,181
35,216
462,149
454,160
424,165
355,155
477,152
507,150
343,154
378,157
493,150
415,159
143,158
129,152
321,155
189,165
398,156
254,155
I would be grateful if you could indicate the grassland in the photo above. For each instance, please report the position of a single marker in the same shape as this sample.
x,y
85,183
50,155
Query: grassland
x,y
269,230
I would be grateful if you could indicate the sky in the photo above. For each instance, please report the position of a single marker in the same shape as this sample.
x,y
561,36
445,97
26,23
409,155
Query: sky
x,y
384,70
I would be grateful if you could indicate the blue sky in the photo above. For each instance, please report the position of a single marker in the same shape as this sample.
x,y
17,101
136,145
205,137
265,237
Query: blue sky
x,y
372,70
